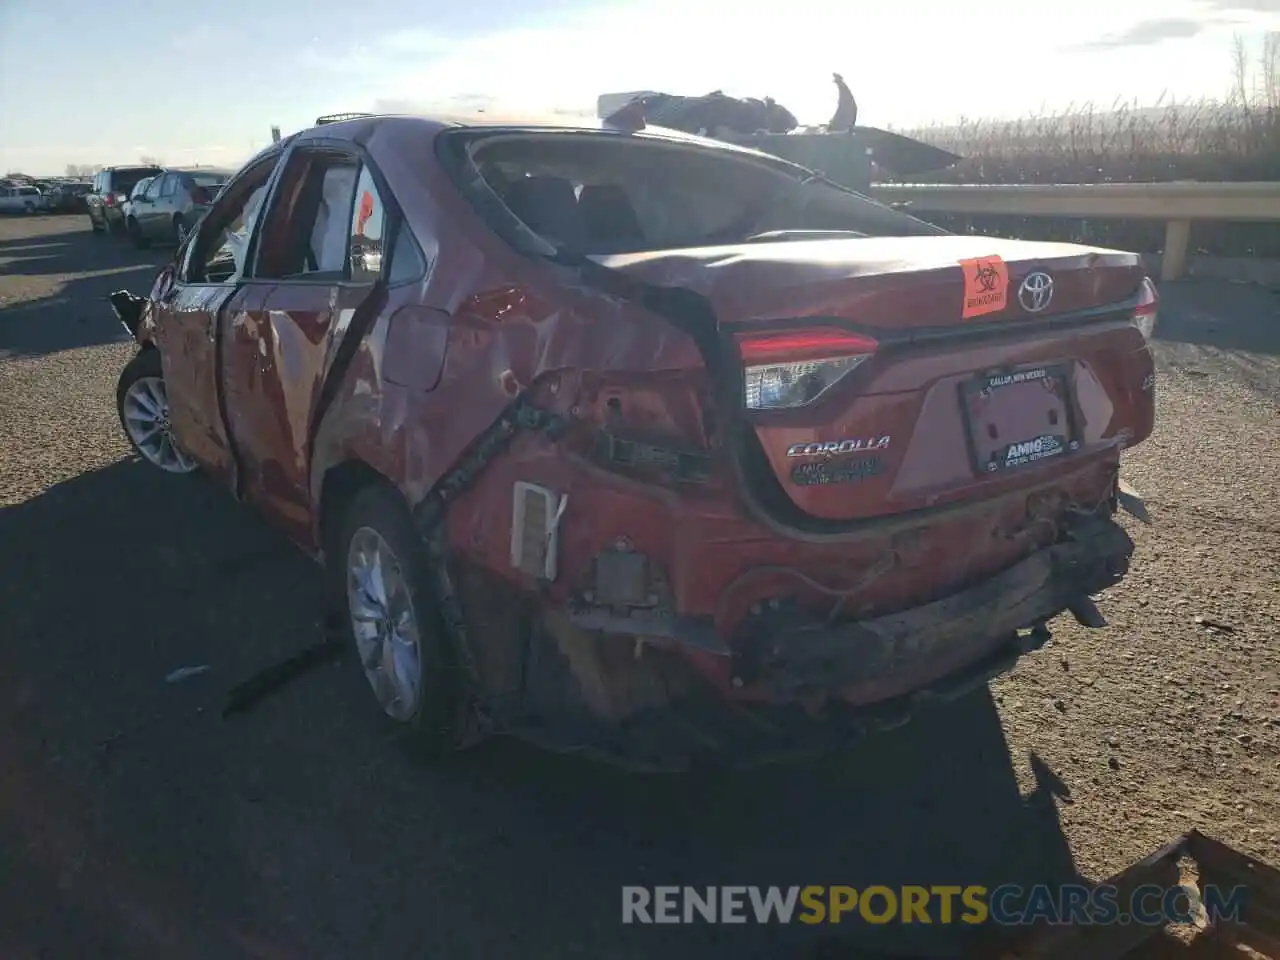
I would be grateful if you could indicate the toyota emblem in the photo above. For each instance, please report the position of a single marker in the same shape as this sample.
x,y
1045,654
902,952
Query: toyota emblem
x,y
1036,291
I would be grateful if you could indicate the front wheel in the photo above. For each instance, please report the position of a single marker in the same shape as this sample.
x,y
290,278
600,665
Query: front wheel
x,y
382,570
142,403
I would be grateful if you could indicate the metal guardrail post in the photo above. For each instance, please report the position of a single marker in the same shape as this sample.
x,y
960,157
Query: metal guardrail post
x,y
1177,235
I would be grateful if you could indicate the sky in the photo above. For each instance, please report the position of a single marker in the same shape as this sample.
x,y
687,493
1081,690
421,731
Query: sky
x,y
203,83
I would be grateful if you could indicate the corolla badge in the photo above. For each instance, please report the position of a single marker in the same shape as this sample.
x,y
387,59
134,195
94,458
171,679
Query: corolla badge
x,y
833,448
1036,291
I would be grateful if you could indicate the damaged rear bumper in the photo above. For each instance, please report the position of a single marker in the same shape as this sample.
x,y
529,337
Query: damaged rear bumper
x,y
887,656
875,673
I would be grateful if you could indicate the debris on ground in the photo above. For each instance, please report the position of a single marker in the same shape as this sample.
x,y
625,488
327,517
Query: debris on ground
x,y
183,673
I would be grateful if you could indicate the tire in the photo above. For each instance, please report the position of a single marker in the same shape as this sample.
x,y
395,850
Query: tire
x,y
135,234
376,517
140,380
93,226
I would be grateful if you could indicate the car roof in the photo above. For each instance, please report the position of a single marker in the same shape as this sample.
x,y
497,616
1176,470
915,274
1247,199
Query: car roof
x,y
359,126
216,171
514,122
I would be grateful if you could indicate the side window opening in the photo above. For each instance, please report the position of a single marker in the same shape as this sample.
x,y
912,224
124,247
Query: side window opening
x,y
368,225
309,223
407,262
218,253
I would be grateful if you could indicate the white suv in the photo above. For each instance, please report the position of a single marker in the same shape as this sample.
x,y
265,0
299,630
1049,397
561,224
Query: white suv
x,y
20,199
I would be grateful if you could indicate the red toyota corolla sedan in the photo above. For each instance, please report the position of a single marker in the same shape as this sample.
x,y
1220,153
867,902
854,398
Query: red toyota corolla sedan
x,y
641,444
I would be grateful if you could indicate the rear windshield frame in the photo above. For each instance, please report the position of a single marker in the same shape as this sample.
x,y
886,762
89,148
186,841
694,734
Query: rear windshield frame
x,y
455,149
130,177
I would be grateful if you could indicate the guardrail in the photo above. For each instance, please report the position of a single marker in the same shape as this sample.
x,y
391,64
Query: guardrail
x,y
1177,203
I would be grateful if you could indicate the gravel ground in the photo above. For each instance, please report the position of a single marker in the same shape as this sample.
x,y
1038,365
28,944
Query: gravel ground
x,y
136,823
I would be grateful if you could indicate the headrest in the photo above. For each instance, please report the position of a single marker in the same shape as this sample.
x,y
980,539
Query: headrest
x,y
547,205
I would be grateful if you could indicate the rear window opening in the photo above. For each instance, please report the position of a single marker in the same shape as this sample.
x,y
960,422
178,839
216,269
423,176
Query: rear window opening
x,y
123,181
209,181
608,193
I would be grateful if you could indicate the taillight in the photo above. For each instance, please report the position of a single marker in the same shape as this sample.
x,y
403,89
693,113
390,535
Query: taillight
x,y
794,367
1144,314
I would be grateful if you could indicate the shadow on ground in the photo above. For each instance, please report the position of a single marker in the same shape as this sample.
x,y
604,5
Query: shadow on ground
x,y
1220,315
134,822
63,279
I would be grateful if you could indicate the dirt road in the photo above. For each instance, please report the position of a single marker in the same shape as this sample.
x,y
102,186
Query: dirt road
x,y
136,823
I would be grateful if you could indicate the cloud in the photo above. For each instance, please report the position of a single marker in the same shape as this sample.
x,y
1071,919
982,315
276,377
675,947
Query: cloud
x,y
1249,6
899,74
1150,32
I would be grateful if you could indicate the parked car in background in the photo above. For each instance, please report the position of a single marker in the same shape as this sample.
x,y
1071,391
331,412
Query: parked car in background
x,y
111,188
17,198
69,197
644,444
135,195
172,204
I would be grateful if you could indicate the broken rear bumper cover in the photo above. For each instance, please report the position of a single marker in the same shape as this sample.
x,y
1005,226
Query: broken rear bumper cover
x,y
891,655
871,674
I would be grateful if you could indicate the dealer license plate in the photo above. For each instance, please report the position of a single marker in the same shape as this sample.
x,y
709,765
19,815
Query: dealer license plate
x,y
1019,417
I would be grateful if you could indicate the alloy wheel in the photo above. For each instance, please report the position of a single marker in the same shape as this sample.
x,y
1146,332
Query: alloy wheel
x,y
384,623
145,413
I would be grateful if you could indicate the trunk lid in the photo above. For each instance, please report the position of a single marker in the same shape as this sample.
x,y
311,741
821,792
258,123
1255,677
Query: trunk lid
x,y
887,282
892,374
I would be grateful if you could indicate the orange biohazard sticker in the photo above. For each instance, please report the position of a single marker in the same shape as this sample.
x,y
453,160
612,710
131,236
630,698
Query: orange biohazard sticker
x,y
986,286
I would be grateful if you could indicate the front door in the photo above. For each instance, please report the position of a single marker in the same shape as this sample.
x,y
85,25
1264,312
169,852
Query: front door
x,y
186,328
191,313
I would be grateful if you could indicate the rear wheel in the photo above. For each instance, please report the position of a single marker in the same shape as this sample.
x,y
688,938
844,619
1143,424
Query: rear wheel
x,y
382,573
142,403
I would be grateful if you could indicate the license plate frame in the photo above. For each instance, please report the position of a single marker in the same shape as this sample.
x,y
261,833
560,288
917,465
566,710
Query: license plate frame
x,y
992,454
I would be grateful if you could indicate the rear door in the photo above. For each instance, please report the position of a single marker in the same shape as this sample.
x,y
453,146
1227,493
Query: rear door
x,y
161,213
209,285
276,360
148,213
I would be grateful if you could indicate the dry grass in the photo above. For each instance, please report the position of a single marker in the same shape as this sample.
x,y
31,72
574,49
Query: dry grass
x,y
1234,138
1200,141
